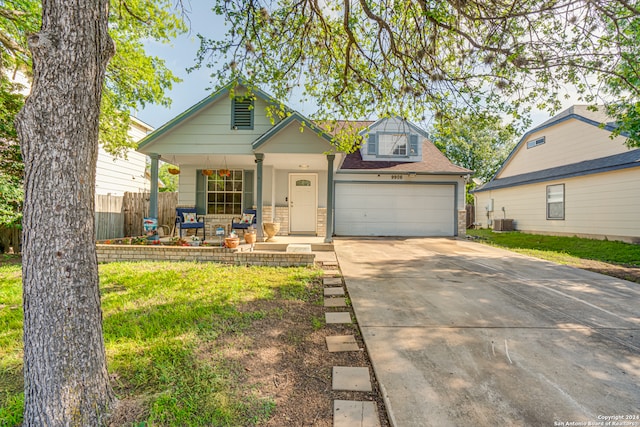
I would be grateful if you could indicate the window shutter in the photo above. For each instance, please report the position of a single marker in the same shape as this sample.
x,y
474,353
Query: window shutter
x,y
413,144
201,193
242,113
247,196
371,146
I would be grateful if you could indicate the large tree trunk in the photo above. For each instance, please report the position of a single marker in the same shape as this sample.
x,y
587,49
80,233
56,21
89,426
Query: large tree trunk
x,y
66,378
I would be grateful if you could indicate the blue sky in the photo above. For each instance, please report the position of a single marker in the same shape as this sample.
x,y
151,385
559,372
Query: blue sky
x,y
181,54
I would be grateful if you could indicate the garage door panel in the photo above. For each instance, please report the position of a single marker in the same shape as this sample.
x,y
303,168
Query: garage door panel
x,y
374,209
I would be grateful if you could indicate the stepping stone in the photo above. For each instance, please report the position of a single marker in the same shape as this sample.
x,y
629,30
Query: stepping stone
x,y
341,317
329,264
348,378
298,248
329,281
340,343
334,292
349,413
331,273
335,302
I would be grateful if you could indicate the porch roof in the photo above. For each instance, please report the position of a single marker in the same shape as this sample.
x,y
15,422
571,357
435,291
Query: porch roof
x,y
294,117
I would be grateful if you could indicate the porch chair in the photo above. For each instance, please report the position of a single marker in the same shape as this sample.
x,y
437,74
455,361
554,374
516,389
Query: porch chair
x,y
249,218
188,218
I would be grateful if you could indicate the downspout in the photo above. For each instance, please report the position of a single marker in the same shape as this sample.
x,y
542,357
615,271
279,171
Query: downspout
x,y
259,160
329,223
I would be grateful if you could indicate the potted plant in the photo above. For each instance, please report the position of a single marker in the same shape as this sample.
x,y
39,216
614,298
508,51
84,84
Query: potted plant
x,y
250,236
232,241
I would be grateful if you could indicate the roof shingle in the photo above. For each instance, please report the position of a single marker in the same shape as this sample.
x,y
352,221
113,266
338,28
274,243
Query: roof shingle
x,y
433,162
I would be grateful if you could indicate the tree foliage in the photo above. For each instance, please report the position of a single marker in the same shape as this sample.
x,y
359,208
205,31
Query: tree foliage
x,y
170,181
133,78
480,146
453,58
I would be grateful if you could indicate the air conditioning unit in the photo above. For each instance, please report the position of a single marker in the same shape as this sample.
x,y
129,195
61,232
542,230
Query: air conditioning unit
x,y
502,225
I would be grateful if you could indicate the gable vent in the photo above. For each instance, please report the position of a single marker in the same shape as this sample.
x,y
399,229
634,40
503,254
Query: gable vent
x,y
242,113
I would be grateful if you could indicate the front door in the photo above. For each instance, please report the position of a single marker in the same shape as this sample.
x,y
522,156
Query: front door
x,y
303,203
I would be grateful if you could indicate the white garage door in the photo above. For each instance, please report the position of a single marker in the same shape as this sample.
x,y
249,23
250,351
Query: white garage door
x,y
375,209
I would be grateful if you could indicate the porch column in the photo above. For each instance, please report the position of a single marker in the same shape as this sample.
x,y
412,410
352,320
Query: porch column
x,y
329,233
259,159
153,198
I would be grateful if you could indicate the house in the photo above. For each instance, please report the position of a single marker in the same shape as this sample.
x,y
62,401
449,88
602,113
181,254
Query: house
x,y
567,177
117,175
289,171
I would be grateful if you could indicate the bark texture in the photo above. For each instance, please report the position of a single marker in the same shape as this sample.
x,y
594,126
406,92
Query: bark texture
x,y
66,378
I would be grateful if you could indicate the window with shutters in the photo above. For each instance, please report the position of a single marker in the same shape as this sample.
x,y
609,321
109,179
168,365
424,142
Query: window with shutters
x,y
387,145
224,192
242,114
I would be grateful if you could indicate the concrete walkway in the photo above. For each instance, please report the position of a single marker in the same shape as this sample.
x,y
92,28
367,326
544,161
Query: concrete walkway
x,y
463,334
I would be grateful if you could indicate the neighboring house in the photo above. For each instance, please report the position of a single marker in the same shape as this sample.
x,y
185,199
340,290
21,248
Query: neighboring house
x,y
114,175
289,172
567,177
117,175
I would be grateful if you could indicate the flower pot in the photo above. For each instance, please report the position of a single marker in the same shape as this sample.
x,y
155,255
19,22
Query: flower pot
x,y
250,238
207,172
231,242
173,171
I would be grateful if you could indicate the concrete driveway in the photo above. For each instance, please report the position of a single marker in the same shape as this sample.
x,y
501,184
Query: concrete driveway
x,y
463,334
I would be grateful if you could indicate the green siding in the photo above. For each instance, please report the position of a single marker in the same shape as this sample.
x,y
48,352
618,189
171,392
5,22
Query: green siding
x,y
291,140
208,131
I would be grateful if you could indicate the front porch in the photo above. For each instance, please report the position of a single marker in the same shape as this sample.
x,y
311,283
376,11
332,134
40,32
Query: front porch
x,y
233,155
278,214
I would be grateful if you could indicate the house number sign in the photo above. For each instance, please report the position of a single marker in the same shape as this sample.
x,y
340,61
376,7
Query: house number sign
x,y
396,176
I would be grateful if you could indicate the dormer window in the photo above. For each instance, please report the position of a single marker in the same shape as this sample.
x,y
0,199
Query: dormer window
x,y
242,113
392,145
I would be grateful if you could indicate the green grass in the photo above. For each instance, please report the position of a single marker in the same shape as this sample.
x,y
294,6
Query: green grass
x,y
562,249
157,319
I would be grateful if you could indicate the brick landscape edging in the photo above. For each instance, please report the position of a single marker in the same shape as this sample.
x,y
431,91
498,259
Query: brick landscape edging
x,y
113,253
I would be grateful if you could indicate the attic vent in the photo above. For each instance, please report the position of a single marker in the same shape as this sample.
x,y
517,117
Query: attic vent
x,y
242,113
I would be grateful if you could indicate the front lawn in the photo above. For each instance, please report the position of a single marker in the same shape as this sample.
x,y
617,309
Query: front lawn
x,y
161,323
608,257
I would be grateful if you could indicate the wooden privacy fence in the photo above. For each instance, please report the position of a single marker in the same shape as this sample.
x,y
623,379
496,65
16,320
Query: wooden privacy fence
x,y
10,239
136,207
115,217
471,215
120,216
109,218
